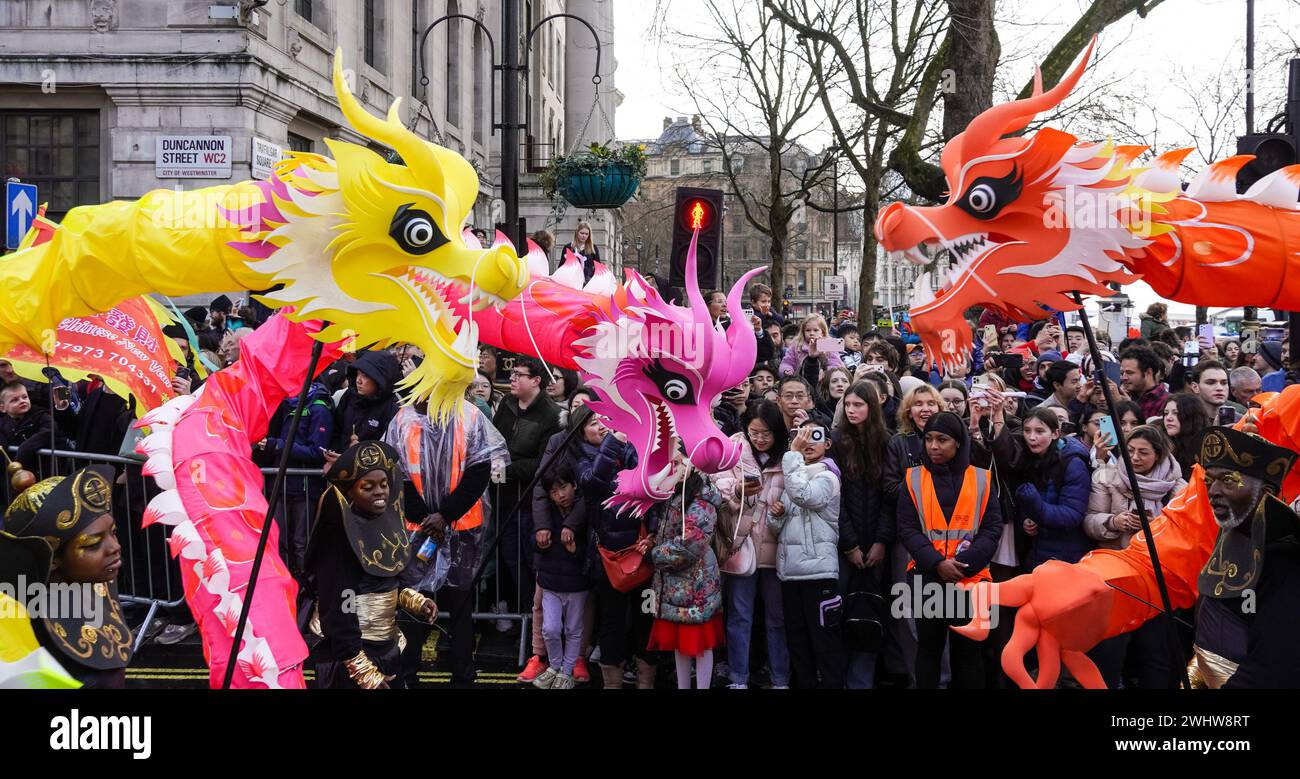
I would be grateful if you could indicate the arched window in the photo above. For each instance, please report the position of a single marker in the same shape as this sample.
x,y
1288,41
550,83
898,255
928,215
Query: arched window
x,y
453,65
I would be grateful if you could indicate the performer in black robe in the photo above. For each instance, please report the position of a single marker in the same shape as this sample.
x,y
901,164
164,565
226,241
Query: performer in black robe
x,y
359,546
1248,623
59,554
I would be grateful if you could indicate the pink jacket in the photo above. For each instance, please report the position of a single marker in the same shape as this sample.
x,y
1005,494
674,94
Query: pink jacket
x,y
731,484
795,354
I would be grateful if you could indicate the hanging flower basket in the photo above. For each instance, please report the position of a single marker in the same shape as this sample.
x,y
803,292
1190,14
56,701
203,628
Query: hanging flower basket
x,y
596,177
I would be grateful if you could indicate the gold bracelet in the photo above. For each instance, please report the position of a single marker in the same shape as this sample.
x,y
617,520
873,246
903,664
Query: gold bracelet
x,y
364,673
412,602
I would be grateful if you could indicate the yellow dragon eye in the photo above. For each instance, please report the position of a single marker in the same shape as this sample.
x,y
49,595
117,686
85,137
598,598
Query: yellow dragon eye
x,y
415,232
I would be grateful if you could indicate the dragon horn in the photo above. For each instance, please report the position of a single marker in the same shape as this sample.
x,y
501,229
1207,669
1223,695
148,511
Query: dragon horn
x,y
391,131
737,346
698,306
1006,118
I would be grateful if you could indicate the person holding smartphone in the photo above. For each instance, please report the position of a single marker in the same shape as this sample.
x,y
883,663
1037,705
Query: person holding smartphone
x,y
808,356
806,521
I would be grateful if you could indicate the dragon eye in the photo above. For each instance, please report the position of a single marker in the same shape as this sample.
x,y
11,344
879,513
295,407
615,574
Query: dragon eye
x,y
987,196
673,387
982,198
415,232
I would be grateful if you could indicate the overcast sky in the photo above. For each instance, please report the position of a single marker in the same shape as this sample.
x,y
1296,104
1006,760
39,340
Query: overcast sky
x,y
1187,41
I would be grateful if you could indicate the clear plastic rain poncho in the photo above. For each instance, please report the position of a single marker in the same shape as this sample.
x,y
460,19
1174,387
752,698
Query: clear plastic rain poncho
x,y
444,450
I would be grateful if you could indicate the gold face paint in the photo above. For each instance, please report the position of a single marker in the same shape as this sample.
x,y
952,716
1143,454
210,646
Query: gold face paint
x,y
1232,479
88,541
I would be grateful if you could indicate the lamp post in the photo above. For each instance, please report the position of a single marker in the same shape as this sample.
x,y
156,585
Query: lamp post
x,y
511,70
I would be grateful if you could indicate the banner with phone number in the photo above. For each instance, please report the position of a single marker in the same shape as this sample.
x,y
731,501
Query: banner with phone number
x,y
124,346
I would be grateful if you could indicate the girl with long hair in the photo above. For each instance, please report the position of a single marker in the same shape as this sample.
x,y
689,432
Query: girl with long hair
x,y
860,438
1185,418
748,492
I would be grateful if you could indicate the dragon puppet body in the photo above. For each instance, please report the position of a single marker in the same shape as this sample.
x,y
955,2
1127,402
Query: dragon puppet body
x,y
658,368
354,240
1030,220
374,247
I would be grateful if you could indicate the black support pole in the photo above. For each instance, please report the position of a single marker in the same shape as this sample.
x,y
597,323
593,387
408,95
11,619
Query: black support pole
x,y
1121,446
510,116
294,418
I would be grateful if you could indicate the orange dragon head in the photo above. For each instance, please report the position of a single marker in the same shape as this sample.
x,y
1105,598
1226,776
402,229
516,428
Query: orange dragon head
x,y
1028,221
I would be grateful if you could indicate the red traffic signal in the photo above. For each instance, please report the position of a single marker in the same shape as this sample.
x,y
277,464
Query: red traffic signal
x,y
696,214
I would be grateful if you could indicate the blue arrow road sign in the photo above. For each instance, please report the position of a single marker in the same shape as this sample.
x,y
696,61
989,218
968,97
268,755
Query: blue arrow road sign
x,y
20,210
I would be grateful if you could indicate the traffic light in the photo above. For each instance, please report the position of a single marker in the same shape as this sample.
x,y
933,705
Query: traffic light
x,y
1273,150
697,209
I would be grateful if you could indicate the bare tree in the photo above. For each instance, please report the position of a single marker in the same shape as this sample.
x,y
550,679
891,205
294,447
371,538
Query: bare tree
x,y
867,109
932,50
755,95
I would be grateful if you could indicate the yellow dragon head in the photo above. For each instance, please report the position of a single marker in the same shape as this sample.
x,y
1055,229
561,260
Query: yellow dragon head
x,y
375,248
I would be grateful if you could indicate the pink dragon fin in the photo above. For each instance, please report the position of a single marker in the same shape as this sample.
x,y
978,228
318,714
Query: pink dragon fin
x,y
198,453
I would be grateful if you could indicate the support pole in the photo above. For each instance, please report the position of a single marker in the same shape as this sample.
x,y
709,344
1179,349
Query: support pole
x,y
510,117
1095,352
289,438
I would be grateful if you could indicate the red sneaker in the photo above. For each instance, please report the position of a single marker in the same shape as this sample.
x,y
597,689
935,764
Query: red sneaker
x,y
535,666
580,673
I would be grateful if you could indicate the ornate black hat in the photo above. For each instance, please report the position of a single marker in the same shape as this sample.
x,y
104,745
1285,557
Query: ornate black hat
x,y
85,624
363,458
1224,447
59,508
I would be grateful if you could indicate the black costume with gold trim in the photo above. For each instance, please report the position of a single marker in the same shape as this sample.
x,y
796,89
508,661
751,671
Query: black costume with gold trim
x,y
353,562
87,632
1247,622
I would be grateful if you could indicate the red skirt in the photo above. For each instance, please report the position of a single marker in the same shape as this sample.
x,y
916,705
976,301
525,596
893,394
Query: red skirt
x,y
690,640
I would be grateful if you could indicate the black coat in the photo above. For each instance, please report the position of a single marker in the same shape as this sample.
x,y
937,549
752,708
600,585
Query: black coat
x,y
99,426
31,433
1273,638
367,417
902,452
527,433
558,569
861,508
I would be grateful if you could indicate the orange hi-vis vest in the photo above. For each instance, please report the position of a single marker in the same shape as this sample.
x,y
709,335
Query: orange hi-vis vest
x,y
951,535
474,517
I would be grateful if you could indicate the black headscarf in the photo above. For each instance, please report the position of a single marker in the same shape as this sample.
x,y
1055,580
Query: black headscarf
x,y
948,476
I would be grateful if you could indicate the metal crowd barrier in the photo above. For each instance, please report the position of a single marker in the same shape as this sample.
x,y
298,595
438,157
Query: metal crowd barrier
x,y
150,577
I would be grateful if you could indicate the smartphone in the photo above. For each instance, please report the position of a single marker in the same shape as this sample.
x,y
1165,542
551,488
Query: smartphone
x,y
1207,332
828,345
1013,362
1111,369
875,367
749,314
1106,428
62,393
1227,416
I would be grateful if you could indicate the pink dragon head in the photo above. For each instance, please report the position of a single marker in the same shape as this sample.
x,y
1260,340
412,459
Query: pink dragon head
x,y
659,369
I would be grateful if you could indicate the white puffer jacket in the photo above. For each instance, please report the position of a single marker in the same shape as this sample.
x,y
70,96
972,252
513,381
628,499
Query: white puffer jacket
x,y
808,533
